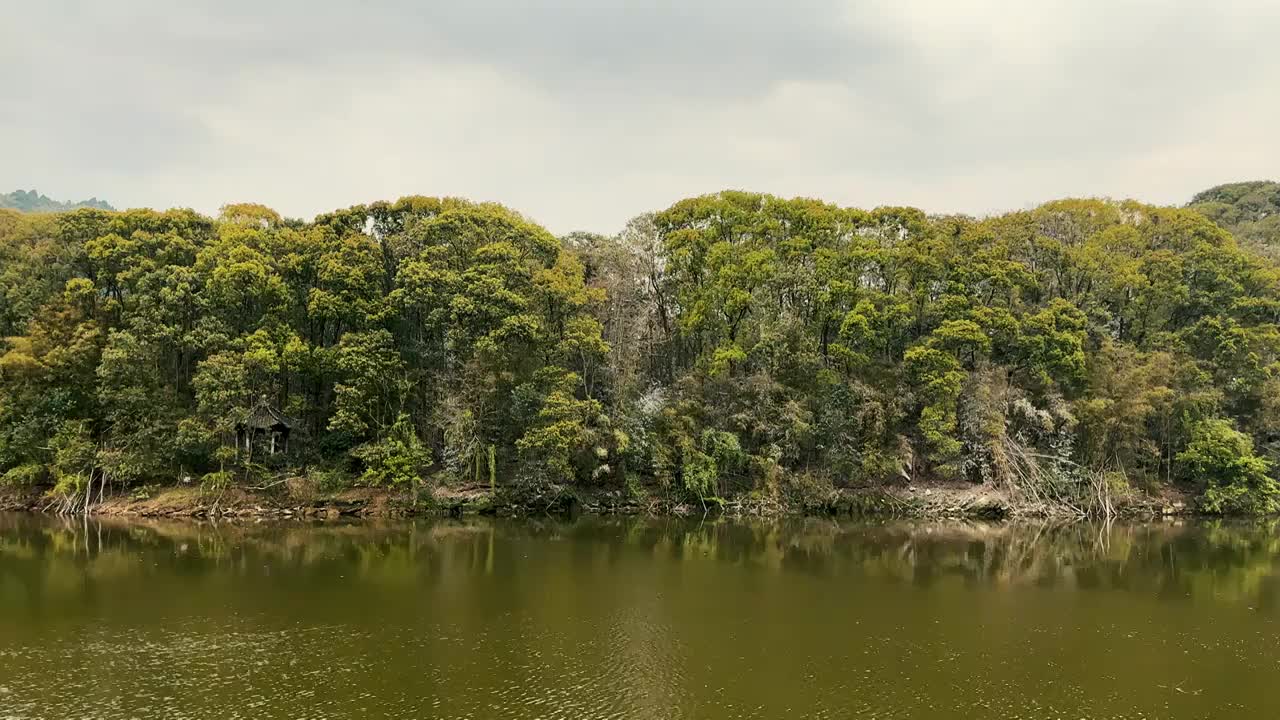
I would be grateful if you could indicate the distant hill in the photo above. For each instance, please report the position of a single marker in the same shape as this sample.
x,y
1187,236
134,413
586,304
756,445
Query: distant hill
x,y
32,201
1250,210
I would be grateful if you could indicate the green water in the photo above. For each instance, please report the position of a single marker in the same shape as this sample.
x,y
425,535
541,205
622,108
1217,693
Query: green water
x,y
625,618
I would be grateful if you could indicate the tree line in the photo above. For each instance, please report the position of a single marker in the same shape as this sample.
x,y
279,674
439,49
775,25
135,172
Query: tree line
x,y
734,345
32,201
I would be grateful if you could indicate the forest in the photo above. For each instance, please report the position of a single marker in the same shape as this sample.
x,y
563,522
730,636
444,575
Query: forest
x,y
734,345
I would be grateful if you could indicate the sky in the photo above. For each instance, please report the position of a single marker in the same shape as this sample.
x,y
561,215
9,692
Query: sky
x,y
583,113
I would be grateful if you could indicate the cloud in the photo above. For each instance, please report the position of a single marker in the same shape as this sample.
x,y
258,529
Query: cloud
x,y
581,114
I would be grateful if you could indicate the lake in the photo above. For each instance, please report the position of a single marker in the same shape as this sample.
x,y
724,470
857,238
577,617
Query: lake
x,y
637,618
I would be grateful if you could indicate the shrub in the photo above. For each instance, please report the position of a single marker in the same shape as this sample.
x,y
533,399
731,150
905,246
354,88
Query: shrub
x,y
329,481
399,458
216,482
28,475
1235,480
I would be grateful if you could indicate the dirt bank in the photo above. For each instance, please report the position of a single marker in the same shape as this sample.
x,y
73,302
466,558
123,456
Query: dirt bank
x,y
297,500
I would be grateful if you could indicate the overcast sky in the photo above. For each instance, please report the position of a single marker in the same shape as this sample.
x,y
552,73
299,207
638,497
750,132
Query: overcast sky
x,y
583,113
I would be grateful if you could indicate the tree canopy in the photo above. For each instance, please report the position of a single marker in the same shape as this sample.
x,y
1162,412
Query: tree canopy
x,y
1249,210
733,344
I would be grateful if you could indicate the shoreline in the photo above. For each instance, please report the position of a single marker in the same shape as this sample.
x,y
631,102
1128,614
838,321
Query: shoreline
x,y
927,502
